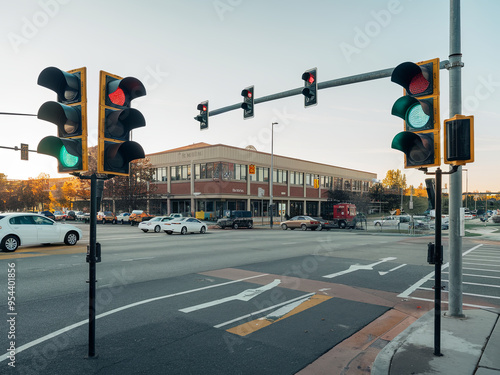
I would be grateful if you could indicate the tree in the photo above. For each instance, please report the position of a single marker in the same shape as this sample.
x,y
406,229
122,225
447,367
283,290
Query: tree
x,y
394,179
420,191
132,191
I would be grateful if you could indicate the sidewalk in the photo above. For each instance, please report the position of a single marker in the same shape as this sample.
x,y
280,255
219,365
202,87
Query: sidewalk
x,y
468,346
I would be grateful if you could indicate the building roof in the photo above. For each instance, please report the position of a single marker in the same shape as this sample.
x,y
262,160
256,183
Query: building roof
x,y
183,148
251,149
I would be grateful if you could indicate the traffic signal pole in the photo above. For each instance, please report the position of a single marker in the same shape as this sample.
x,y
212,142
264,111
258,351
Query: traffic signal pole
x,y
93,256
455,241
370,76
92,263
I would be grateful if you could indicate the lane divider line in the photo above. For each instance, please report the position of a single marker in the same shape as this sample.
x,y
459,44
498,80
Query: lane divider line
x,y
76,325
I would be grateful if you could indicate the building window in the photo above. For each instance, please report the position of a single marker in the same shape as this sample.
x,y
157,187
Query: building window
x,y
240,172
180,172
309,179
347,185
280,176
338,183
296,178
327,182
160,174
261,174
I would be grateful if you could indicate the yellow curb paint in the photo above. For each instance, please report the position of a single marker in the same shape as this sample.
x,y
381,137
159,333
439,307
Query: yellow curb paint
x,y
253,326
40,252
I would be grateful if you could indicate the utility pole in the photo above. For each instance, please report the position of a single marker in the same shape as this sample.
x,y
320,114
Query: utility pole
x,y
455,241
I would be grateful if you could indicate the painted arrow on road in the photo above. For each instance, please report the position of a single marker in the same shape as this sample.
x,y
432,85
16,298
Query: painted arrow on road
x,y
357,267
246,296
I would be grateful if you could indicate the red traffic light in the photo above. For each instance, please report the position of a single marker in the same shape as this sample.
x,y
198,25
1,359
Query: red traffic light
x,y
117,97
202,107
247,93
418,79
308,77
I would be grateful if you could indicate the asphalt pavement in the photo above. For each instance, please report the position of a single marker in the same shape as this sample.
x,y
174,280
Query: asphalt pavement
x,y
468,345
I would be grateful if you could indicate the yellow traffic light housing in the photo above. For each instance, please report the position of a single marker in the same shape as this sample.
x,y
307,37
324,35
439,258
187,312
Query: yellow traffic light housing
x,y
69,114
459,140
116,121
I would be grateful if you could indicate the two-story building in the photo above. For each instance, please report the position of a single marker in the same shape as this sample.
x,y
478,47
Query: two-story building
x,y
215,178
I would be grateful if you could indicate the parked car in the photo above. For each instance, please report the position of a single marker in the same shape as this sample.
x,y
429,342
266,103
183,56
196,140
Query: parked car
x,y
138,216
71,215
79,215
21,229
106,217
184,225
325,224
154,224
236,219
302,222
123,217
389,221
48,214
59,215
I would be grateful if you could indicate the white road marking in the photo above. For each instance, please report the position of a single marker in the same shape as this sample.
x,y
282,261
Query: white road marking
x,y
464,304
357,267
474,275
245,296
423,280
132,259
305,296
76,325
382,273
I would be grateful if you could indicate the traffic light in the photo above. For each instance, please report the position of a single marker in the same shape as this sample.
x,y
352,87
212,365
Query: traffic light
x,y
459,140
203,116
116,121
248,102
310,90
419,108
69,114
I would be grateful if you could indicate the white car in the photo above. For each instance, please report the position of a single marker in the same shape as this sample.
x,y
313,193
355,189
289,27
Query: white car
x,y
123,218
21,229
388,221
184,225
155,224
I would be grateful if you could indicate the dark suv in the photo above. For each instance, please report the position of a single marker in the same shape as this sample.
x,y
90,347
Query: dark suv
x,y
236,219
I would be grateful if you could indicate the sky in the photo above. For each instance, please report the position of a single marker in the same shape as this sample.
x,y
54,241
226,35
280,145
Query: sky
x,y
188,51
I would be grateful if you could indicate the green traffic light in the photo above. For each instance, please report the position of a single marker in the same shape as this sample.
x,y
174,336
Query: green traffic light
x,y
417,113
416,117
66,159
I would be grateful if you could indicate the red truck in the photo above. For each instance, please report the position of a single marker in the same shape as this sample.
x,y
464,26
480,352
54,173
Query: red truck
x,y
341,215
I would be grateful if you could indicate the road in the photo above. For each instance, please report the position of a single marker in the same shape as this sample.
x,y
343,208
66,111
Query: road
x,y
226,302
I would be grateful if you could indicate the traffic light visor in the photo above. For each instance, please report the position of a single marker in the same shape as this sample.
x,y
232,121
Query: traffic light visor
x,y
66,85
247,93
67,151
118,124
308,77
120,92
416,79
67,118
118,155
418,148
417,113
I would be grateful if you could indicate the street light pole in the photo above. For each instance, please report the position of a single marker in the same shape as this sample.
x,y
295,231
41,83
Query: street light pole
x,y
272,174
466,187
